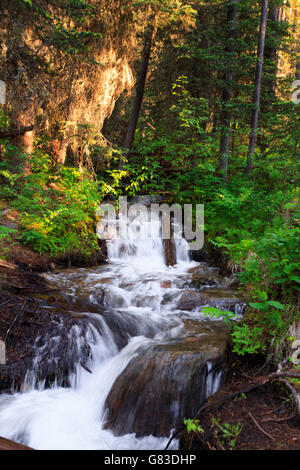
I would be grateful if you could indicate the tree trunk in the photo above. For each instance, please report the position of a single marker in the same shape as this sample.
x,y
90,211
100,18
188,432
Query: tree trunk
x,y
297,33
23,116
62,151
258,76
140,85
64,138
271,56
227,92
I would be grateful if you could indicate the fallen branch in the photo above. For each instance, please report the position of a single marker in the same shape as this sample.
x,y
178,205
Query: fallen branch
x,y
220,403
259,427
13,132
5,264
294,393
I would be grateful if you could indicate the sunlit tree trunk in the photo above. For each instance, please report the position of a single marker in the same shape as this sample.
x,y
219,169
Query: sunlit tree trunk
x,y
24,116
258,76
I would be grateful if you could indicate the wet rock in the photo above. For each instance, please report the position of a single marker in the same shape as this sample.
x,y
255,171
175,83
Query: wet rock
x,y
124,326
169,382
200,269
224,299
200,281
230,281
6,444
190,300
204,275
165,284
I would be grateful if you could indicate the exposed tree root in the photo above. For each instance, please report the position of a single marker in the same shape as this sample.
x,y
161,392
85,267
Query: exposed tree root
x,y
259,427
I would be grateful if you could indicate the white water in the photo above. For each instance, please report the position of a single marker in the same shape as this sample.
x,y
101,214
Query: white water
x,y
133,282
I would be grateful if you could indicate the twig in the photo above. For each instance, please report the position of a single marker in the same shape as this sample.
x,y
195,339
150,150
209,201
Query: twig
x,y
14,320
259,427
175,433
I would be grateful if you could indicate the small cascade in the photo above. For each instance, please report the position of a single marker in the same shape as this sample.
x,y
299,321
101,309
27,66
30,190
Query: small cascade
x,y
136,320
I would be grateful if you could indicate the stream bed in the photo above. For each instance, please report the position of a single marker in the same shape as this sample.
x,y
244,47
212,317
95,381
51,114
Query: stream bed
x,y
144,355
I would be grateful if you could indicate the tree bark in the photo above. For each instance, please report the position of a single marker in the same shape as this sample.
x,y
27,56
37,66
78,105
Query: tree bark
x,y
297,33
258,76
140,85
271,56
227,92
64,138
18,131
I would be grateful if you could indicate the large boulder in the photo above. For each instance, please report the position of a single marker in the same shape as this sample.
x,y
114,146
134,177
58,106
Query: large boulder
x,y
169,382
224,299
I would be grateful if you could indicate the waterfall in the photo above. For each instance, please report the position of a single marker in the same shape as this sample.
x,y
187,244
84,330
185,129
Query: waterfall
x,y
138,324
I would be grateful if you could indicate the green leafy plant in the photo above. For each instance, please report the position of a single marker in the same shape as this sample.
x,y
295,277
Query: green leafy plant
x,y
226,432
214,312
192,425
247,339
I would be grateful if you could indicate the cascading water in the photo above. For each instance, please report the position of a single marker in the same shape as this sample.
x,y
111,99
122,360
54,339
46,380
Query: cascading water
x,y
141,322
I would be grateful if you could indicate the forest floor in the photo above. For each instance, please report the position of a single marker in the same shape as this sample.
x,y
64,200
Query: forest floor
x,y
263,419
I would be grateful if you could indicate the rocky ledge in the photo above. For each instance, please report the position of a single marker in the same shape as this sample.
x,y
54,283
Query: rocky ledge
x,y
169,382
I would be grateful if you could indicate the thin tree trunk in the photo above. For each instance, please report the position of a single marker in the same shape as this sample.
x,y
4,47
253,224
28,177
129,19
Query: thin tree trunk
x,y
140,85
271,53
227,92
258,76
297,34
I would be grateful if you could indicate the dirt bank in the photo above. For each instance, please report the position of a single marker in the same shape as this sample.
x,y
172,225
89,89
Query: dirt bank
x,y
262,419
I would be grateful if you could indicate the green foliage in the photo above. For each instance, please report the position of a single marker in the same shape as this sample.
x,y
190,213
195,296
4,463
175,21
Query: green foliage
x,y
192,425
56,208
247,339
214,312
5,232
227,433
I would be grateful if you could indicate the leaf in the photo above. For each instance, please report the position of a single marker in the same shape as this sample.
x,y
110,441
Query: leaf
x,y
275,304
258,305
294,278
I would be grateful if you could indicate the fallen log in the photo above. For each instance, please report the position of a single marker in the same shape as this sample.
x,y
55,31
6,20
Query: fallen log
x,y
6,444
14,132
7,265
